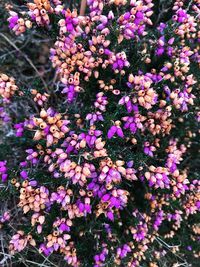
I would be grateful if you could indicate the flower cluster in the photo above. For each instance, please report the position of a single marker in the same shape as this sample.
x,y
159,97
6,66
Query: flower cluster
x,y
18,24
4,116
19,241
107,155
39,12
39,98
51,126
7,87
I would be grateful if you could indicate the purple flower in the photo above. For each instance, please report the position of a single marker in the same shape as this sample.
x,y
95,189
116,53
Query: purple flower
x,y
106,197
110,215
13,21
24,175
115,130
120,132
112,132
3,171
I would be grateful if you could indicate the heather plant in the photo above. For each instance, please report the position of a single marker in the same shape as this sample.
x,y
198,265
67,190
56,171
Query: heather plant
x,y
99,158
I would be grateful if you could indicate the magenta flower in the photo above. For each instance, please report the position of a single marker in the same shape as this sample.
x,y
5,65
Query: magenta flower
x,y
19,129
13,20
112,132
24,175
3,171
110,215
115,130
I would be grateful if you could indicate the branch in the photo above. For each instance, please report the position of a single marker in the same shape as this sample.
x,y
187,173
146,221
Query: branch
x,y
27,59
83,7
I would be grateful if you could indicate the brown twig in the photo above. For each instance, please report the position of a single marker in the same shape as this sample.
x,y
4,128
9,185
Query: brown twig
x,y
27,59
83,7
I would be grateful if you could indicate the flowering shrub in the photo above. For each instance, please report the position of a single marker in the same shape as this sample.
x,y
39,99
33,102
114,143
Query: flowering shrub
x,y
101,176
